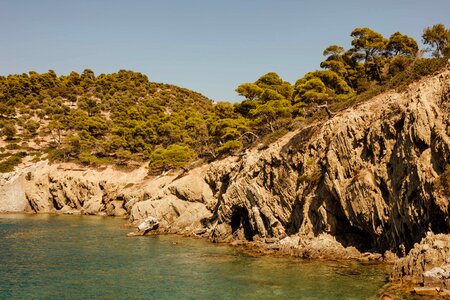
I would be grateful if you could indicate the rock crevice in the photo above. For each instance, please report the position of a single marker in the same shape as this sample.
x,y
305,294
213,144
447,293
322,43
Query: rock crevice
x,y
365,179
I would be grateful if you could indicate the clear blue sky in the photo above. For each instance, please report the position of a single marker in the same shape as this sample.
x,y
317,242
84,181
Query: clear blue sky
x,y
205,45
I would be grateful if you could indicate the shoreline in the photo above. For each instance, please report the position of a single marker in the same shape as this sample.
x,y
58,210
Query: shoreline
x,y
363,180
259,249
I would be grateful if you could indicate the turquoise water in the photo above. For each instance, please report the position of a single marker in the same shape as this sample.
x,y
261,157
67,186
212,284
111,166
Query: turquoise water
x,y
68,257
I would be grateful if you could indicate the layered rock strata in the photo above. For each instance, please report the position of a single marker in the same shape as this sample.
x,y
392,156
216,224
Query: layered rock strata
x,y
366,179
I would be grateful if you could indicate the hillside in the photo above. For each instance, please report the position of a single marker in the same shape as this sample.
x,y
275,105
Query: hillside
x,y
123,119
99,119
368,183
349,162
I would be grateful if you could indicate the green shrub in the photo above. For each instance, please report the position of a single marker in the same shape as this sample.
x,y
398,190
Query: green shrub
x,y
32,127
89,159
312,173
13,146
11,162
420,68
9,131
174,156
229,147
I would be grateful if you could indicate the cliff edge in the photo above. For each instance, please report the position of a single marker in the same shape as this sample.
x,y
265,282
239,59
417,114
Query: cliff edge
x,y
369,179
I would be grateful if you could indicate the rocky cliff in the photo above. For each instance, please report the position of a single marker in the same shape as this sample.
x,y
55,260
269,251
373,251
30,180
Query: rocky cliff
x,y
365,179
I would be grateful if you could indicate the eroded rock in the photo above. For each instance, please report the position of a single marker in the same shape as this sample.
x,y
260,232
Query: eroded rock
x,y
427,264
363,181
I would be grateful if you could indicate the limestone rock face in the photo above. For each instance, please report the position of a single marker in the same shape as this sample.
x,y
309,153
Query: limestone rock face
x,y
367,176
427,264
366,179
13,188
66,188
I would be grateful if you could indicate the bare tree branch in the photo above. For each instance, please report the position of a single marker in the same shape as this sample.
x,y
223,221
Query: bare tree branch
x,y
330,114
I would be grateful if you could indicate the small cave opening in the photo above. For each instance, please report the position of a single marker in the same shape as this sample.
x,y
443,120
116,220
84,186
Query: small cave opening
x,y
240,221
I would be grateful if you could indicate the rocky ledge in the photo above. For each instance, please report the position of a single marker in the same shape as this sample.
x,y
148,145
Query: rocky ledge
x,y
427,266
365,183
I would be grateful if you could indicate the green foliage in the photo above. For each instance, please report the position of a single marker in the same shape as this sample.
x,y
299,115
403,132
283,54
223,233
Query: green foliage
x,y
174,156
268,104
335,61
229,147
369,42
123,156
400,44
250,91
124,118
32,127
312,173
438,37
8,164
321,86
370,46
9,131
268,87
89,105
272,113
416,70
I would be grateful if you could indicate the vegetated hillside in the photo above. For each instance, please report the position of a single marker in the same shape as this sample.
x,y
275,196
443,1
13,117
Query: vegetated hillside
x,y
374,176
95,119
123,118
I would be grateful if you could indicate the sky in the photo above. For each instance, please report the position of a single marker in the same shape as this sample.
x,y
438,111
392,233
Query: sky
x,y
210,46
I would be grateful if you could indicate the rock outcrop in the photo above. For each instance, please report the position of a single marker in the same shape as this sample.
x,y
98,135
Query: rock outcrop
x,y
366,179
427,266
367,176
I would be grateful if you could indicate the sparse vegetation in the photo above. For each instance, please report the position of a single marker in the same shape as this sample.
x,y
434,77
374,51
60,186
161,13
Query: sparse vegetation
x,y
8,164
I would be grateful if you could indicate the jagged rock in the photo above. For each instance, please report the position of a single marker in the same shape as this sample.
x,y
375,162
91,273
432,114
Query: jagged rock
x,y
436,293
365,180
175,215
437,277
148,224
427,264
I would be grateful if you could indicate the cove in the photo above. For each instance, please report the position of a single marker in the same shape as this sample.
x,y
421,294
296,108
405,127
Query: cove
x,y
74,257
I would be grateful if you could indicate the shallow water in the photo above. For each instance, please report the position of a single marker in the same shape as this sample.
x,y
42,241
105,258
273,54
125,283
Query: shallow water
x,y
54,257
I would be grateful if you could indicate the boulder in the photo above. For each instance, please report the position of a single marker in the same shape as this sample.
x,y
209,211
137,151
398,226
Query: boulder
x,y
148,224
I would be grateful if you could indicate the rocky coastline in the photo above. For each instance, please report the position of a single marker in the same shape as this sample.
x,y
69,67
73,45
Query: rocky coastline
x,y
360,185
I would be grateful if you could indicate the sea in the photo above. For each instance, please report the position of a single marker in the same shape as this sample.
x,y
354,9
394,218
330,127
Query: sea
x,y
90,257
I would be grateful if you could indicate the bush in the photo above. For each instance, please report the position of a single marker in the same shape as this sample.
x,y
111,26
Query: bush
x,y
89,159
9,131
13,146
11,162
32,127
229,147
174,156
421,67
